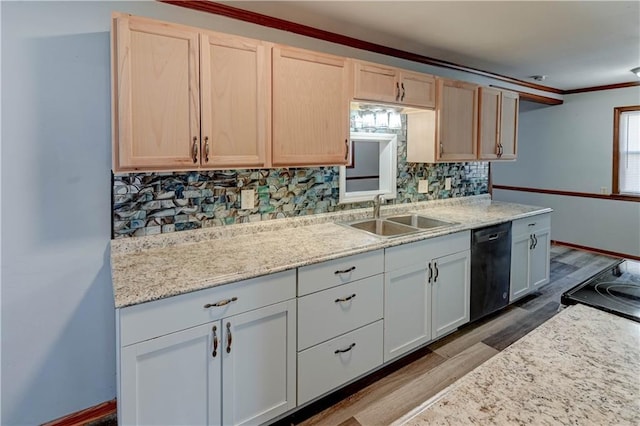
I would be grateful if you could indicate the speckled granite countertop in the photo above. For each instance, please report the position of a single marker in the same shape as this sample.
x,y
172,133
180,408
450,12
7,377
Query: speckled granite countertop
x,y
582,367
151,268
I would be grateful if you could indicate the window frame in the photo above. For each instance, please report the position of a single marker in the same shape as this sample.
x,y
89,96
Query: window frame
x,y
615,187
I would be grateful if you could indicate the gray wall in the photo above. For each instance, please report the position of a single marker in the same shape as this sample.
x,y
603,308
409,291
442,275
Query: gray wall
x,y
570,147
57,316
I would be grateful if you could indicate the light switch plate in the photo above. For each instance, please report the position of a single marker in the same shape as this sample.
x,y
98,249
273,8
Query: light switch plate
x,y
447,184
247,199
423,186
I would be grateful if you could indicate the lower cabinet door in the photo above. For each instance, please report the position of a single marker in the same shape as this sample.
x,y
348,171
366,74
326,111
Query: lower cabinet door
x,y
171,380
259,364
539,264
519,284
450,293
407,310
328,365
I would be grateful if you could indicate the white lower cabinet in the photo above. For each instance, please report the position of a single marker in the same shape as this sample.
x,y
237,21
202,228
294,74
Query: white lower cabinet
x,y
450,292
426,291
171,380
407,310
331,364
235,370
530,255
258,364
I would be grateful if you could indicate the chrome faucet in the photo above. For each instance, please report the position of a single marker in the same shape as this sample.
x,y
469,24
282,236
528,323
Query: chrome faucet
x,y
377,201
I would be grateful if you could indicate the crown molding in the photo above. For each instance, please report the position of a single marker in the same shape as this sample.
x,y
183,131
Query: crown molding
x,y
305,30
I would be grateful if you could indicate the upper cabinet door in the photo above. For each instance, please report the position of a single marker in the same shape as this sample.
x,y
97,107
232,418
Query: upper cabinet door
x,y
156,95
498,124
375,82
236,109
489,123
457,120
417,89
509,126
310,108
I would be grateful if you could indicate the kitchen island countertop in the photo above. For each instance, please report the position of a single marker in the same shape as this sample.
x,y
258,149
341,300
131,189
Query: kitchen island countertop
x,y
582,367
151,268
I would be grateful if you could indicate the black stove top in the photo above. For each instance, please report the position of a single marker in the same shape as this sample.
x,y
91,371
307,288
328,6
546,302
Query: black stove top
x,y
615,290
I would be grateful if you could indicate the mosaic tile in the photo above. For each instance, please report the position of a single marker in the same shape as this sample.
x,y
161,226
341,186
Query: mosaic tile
x,y
206,199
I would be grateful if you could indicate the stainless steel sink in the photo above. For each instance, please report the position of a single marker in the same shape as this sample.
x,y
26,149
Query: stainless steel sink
x,y
418,221
383,227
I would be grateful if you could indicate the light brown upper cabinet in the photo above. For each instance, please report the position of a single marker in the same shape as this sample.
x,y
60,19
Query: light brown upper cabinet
x,y
310,108
373,82
236,95
457,119
163,74
498,124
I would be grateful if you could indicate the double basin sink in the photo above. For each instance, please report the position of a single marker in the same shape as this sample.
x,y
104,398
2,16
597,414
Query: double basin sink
x,y
395,226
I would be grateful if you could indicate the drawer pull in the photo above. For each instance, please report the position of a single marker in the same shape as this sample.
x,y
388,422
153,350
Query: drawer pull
x,y
229,337
341,351
344,271
215,342
344,299
220,303
532,224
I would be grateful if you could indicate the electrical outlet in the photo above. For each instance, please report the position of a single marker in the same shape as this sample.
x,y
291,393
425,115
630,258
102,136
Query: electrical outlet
x,y
247,199
603,190
423,186
447,183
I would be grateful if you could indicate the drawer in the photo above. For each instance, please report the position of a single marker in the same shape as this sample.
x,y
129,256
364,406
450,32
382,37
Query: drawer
x,y
323,315
423,251
153,319
323,367
329,274
530,225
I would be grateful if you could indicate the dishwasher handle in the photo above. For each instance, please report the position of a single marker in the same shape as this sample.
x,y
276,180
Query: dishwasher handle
x,y
490,237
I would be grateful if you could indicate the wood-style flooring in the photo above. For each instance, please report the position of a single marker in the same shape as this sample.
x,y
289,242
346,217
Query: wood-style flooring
x,y
381,400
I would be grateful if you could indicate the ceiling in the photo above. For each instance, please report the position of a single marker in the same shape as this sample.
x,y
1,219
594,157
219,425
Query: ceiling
x,y
576,44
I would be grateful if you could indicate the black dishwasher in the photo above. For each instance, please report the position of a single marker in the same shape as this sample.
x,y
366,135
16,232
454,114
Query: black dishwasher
x,y
490,269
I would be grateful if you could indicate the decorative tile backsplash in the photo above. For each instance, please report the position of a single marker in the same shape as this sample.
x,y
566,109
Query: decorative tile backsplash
x,y
153,203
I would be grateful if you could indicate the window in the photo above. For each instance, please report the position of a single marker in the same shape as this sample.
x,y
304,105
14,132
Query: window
x,y
373,168
626,151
